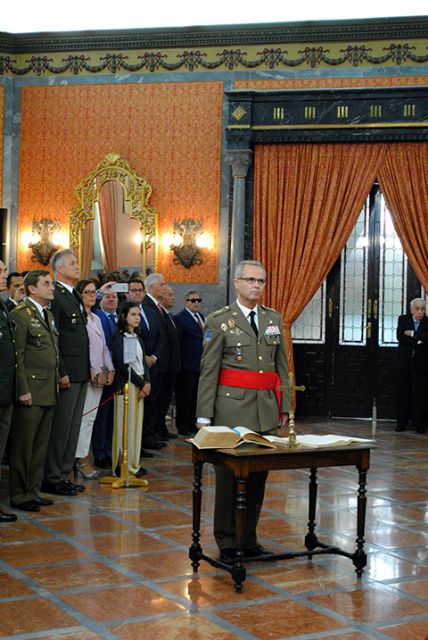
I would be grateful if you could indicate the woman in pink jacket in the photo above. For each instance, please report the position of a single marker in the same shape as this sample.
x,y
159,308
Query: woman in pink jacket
x,y
102,374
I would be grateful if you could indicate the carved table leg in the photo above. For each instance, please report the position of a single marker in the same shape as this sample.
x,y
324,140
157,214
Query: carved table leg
x,y
311,540
238,570
359,558
195,550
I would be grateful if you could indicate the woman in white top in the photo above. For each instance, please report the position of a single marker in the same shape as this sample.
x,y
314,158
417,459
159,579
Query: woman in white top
x,y
102,374
137,374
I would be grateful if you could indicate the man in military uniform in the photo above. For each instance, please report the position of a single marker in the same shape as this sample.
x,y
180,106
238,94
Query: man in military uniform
x,y
243,366
37,380
73,343
7,378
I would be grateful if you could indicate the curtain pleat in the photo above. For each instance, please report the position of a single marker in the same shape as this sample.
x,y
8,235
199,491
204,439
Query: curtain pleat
x,y
307,198
110,206
403,178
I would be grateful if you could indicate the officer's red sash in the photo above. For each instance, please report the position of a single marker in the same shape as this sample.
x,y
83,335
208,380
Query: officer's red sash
x,y
251,380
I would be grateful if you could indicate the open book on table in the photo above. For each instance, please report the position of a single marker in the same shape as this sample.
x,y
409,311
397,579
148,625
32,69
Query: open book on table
x,y
230,438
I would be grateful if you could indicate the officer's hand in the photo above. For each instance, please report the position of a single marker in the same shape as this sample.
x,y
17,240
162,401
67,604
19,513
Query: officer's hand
x,y
283,425
26,399
64,382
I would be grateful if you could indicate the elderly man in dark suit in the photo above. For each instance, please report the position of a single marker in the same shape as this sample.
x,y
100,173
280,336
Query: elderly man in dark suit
x,y
190,327
153,421
167,297
412,364
70,320
37,390
7,377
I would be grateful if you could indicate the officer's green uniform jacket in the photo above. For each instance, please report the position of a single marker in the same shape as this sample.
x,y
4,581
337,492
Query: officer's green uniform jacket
x,y
230,343
36,354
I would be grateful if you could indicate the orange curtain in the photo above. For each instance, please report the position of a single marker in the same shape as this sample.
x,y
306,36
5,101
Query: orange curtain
x,y
87,249
403,178
111,206
307,198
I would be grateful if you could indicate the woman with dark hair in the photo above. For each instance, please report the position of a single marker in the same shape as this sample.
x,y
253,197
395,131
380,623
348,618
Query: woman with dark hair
x,y
102,374
137,374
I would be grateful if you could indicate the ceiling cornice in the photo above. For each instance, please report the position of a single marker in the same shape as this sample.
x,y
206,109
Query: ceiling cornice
x,y
201,36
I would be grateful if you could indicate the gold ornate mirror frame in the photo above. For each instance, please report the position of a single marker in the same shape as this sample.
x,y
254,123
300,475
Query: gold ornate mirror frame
x,y
137,194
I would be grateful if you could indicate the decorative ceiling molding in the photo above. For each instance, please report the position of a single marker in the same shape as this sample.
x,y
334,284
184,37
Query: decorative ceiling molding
x,y
226,35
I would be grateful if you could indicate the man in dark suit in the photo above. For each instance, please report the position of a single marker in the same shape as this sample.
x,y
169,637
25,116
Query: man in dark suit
x,y
154,339
190,326
168,300
70,320
15,286
412,365
102,433
153,421
7,377
37,382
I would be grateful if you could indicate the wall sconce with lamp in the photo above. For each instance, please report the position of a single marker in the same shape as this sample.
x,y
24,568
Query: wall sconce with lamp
x,y
45,238
186,241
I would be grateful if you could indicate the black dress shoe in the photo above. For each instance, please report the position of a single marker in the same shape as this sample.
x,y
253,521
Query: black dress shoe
x,y
420,428
184,433
146,454
171,436
141,472
43,502
153,444
102,462
7,517
401,427
29,505
227,556
59,489
256,551
77,487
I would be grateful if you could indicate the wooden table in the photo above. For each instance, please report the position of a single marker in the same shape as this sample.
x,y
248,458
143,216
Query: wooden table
x,y
247,460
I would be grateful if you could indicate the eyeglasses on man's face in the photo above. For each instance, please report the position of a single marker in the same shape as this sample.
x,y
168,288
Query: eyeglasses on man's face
x,y
260,281
136,290
194,300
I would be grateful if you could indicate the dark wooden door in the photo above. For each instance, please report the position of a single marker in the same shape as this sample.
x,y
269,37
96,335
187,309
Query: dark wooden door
x,y
348,363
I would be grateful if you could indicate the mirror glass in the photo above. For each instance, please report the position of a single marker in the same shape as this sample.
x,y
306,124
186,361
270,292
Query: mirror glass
x,y
114,228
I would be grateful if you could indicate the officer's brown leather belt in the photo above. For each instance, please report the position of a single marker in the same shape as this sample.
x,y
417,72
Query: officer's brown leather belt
x,y
251,380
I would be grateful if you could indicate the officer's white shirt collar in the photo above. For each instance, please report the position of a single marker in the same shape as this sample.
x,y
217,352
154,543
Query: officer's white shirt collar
x,y
246,311
37,305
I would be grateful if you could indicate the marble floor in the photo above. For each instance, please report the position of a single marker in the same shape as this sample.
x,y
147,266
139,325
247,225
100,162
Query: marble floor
x,y
114,563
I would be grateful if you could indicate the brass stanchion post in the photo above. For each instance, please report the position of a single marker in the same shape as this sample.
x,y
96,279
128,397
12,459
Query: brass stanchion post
x,y
125,480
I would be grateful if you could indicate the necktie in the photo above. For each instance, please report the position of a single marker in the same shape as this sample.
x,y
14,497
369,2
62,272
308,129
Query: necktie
x,y
160,308
46,317
253,322
144,323
112,319
416,323
198,320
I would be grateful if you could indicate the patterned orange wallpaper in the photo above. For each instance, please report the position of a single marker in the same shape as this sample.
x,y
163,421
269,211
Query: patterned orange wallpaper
x,y
329,83
2,94
168,132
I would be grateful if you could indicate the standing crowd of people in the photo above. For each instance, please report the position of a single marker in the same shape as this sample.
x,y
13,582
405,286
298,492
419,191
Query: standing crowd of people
x,y
67,349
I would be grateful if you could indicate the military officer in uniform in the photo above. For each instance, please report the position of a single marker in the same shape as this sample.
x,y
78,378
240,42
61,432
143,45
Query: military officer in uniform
x,y
7,378
243,366
37,381
73,345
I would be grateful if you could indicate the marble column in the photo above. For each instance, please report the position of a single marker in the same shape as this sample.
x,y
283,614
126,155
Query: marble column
x,y
240,161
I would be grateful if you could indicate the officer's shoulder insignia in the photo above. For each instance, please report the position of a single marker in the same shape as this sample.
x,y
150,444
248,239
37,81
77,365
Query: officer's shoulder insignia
x,y
270,309
208,335
220,312
20,306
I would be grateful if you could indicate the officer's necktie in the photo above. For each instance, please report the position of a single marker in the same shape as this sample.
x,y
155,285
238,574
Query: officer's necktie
x,y
253,322
46,317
